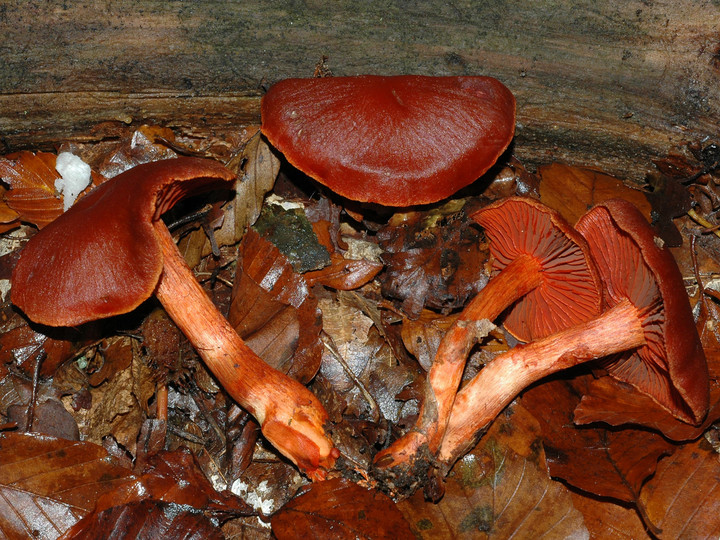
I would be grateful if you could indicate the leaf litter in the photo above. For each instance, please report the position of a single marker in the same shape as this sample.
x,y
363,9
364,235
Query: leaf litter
x,y
574,456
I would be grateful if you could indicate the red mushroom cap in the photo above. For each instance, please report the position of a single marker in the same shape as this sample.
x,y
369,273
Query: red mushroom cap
x,y
633,264
396,141
571,290
58,281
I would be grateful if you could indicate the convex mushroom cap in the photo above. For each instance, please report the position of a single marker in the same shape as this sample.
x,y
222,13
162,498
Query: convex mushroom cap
x,y
103,257
111,251
396,141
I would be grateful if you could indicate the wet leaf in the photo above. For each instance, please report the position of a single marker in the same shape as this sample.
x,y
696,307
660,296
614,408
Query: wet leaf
x,y
172,493
340,510
607,463
573,190
270,305
146,144
358,362
608,520
432,259
48,484
146,519
500,490
31,178
32,194
682,500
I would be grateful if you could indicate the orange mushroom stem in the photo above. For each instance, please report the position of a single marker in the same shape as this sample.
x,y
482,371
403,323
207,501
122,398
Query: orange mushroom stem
x,y
541,260
649,321
111,251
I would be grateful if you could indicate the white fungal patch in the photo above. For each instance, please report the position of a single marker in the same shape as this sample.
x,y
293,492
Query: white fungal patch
x,y
74,177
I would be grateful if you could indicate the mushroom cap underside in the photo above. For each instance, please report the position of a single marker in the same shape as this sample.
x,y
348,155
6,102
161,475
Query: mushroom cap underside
x,y
634,264
396,141
101,257
570,291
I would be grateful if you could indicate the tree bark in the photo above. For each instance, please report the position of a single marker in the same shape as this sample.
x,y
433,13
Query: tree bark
x,y
600,83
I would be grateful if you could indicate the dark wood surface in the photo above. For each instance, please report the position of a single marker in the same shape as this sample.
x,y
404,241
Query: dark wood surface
x,y
602,83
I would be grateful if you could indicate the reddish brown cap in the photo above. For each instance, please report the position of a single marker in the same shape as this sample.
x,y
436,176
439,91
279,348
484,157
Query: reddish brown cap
x,y
570,291
396,141
634,265
101,257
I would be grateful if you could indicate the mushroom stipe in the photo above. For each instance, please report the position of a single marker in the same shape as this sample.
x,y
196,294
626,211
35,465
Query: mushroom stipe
x,y
111,251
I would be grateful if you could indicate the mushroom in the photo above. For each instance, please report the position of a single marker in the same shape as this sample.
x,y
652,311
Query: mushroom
x,y
111,251
647,336
395,141
545,274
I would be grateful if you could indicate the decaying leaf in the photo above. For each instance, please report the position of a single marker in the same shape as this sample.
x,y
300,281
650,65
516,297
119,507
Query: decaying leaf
x,y
32,194
256,167
573,190
340,510
171,494
596,460
433,259
609,520
500,490
48,484
273,310
682,500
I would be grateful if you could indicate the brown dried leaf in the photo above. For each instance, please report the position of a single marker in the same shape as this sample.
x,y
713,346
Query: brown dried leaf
x,y
433,259
24,346
270,305
170,481
608,520
604,462
340,510
358,362
422,336
31,178
500,490
572,190
345,274
683,498
146,519
147,143
48,484
257,166
115,409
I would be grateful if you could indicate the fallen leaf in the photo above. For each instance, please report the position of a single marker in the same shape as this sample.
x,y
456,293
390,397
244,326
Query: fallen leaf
x,y
146,519
340,510
31,177
573,190
358,362
609,520
499,490
270,306
48,484
172,493
605,462
682,500
433,259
